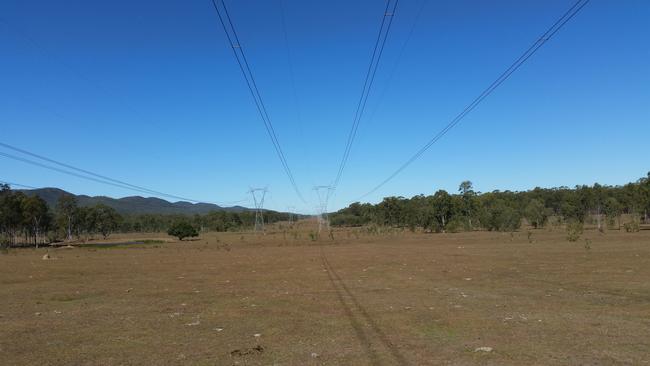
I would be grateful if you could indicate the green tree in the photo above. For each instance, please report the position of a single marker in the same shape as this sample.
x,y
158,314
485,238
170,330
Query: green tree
x,y
443,209
612,210
466,190
66,208
182,230
84,222
536,214
106,219
11,214
35,216
497,215
598,198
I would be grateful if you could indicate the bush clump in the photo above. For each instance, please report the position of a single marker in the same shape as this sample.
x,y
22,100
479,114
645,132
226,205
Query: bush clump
x,y
632,227
574,230
182,230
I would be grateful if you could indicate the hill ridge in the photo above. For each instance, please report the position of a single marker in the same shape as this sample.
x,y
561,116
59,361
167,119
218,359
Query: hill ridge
x,y
132,204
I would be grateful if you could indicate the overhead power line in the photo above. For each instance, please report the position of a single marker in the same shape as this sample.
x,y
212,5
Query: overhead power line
x,y
88,175
377,52
244,66
566,17
16,184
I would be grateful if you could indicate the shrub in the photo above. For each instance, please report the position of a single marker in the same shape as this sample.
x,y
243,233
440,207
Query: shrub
x,y
574,231
498,216
632,227
182,230
313,236
456,225
347,220
4,241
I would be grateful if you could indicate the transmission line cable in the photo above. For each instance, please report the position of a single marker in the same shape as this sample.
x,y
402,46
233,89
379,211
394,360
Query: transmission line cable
x,y
93,176
396,64
377,52
244,66
566,17
16,184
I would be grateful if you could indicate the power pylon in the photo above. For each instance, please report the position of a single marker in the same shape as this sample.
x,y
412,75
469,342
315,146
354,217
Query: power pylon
x,y
290,210
323,193
258,199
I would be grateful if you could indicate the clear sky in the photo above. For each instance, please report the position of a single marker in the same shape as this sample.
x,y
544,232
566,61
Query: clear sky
x,y
149,92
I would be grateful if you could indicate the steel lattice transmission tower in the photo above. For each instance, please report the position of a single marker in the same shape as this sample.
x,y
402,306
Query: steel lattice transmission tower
x,y
323,193
258,199
290,210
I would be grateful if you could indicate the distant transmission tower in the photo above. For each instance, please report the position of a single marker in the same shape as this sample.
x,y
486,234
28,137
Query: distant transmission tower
x,y
258,199
290,210
323,193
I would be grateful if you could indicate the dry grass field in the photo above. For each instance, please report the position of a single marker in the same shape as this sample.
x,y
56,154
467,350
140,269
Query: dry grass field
x,y
360,299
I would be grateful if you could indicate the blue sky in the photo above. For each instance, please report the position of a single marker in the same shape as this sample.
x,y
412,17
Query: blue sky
x,y
148,92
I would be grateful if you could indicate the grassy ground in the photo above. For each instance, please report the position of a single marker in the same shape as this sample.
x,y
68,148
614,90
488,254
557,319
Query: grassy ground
x,y
360,299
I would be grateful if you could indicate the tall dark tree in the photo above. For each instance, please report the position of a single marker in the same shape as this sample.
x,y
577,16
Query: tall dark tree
x,y
35,216
466,190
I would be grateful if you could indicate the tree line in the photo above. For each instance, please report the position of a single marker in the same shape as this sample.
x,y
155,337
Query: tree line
x,y
28,220
504,210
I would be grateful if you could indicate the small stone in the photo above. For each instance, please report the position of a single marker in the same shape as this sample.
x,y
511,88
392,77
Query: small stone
x,y
314,355
37,314
257,335
483,349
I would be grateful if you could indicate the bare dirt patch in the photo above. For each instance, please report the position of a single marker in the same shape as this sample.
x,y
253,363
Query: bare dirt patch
x,y
391,299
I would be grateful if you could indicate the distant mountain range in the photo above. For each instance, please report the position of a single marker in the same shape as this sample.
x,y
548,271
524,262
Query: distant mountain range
x,y
134,204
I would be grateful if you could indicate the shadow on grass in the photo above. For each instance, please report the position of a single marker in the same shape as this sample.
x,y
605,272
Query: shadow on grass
x,y
362,335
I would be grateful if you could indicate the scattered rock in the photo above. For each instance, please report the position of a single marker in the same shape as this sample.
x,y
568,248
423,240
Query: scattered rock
x,y
483,349
129,289
46,256
314,355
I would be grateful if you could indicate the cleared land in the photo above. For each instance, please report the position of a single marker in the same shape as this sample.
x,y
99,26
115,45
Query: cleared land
x,y
390,299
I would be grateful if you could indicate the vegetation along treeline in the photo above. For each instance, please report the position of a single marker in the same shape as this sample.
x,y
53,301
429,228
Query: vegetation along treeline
x,y
505,211
27,220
